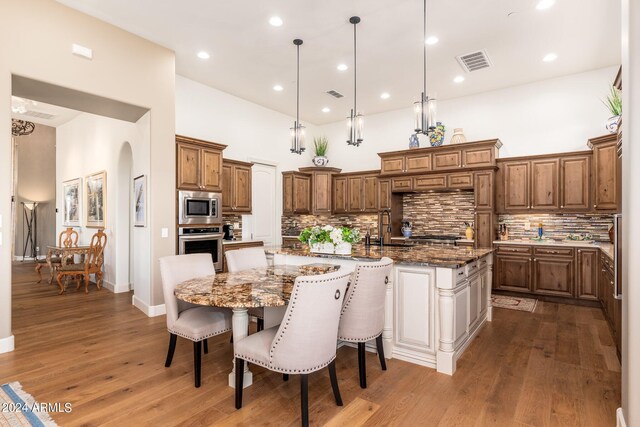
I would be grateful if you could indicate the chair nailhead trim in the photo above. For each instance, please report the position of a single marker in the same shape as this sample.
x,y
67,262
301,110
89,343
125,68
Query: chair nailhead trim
x,y
193,339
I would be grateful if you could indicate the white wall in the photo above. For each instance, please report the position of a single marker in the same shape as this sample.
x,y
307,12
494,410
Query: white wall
x,y
89,144
550,116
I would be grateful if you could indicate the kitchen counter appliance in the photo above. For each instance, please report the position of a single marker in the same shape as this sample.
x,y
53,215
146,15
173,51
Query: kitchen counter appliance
x,y
199,208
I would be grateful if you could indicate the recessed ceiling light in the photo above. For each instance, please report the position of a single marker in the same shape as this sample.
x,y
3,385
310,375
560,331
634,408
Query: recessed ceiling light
x,y
278,88
276,21
431,40
342,67
550,57
385,95
203,55
326,109
545,4
458,79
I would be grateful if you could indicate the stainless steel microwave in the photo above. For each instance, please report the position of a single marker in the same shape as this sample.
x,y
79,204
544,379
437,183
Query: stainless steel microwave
x,y
199,208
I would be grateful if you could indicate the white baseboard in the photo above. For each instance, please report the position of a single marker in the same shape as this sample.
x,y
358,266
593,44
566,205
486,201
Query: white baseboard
x,y
7,344
28,258
116,289
149,310
620,422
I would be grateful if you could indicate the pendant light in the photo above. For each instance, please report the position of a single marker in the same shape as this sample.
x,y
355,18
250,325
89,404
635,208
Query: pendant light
x,y
355,121
425,109
297,131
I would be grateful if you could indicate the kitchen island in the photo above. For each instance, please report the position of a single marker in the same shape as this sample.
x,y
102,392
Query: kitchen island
x,y
438,297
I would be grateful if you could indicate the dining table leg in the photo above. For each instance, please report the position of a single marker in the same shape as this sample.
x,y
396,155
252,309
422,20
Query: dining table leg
x,y
51,272
239,328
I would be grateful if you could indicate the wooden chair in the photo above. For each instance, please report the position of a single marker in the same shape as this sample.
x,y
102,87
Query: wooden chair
x,y
92,264
68,239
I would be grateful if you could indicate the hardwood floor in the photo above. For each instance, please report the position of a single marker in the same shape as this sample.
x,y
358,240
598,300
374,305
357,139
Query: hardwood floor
x,y
556,366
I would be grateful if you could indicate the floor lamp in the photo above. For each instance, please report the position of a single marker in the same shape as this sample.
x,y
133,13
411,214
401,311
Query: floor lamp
x,y
31,223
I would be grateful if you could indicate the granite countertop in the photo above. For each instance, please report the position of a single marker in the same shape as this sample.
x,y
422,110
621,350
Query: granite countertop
x,y
605,247
239,241
257,287
446,256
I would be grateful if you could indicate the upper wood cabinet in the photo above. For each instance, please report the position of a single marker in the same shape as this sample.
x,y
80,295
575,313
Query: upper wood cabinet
x,y
236,186
516,176
356,193
296,193
575,173
544,184
605,173
447,160
321,188
199,164
483,186
384,194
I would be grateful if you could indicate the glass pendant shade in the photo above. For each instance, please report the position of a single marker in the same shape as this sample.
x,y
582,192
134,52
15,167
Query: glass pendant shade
x,y
355,121
425,115
297,138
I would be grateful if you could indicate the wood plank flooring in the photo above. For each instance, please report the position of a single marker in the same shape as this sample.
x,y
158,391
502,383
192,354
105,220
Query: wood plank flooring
x,y
554,367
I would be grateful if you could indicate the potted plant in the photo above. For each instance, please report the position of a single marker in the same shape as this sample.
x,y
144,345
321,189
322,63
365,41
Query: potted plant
x,y
320,146
614,105
329,239
343,238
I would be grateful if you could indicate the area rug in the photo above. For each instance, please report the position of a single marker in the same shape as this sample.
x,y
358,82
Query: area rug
x,y
514,303
19,408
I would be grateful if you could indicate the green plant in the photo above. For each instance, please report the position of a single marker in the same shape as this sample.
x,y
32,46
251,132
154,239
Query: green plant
x,y
320,145
329,234
614,101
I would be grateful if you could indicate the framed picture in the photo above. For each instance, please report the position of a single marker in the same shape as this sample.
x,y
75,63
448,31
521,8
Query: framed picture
x,y
71,190
140,201
96,199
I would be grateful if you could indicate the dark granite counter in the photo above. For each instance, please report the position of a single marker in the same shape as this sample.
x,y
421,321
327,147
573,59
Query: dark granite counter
x,y
422,255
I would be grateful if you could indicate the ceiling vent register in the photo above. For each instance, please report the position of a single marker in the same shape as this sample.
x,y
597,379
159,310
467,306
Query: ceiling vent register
x,y
39,115
474,61
335,94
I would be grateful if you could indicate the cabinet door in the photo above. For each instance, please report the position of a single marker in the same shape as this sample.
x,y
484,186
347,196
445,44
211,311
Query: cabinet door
x,y
321,193
339,194
301,194
605,177
211,170
241,189
227,187
417,163
477,157
483,190
516,186
513,273
430,182
354,194
544,184
400,185
553,276
287,193
391,165
188,167
447,160
384,194
370,194
485,229
460,180
575,175
587,276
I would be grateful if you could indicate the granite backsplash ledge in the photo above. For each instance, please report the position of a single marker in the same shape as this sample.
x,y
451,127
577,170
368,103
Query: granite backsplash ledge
x,y
558,226
292,225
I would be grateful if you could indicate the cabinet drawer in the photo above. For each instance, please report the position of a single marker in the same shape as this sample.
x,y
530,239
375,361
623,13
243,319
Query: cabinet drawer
x,y
401,184
429,182
418,163
460,180
447,160
472,268
554,251
478,157
514,250
392,165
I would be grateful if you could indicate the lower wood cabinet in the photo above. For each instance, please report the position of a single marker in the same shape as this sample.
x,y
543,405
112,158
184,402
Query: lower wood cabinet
x,y
512,273
553,276
587,274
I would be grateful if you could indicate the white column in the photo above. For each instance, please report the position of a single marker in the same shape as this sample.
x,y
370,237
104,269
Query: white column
x,y
240,329
445,362
387,331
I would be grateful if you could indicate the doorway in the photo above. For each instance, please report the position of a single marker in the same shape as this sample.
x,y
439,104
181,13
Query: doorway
x,y
265,217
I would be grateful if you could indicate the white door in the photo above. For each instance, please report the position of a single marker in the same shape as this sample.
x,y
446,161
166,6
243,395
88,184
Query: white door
x,y
265,218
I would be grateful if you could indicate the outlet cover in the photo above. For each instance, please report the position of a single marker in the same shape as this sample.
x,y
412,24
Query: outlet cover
x,y
527,225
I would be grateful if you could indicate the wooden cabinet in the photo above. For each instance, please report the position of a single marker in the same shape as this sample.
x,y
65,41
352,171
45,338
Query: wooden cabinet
x,y
513,273
321,188
429,182
458,181
339,194
236,186
544,184
481,156
587,274
232,245
575,174
447,160
296,194
384,194
484,190
553,275
356,193
401,185
417,163
516,185
199,164
392,165
605,173
355,187
485,225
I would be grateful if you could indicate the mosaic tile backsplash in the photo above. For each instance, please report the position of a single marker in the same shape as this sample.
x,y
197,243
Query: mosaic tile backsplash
x,y
439,213
557,227
233,219
293,224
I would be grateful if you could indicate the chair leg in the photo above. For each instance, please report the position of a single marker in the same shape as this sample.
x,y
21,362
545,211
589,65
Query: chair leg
x,y
86,283
197,360
260,325
206,346
239,381
334,382
285,377
172,348
38,268
380,348
304,399
59,280
362,365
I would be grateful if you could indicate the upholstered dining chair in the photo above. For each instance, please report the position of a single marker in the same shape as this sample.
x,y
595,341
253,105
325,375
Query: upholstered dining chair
x,y
93,261
305,341
193,322
66,239
362,316
244,259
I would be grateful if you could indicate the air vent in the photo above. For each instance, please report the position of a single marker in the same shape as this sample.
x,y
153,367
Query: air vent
x,y
474,61
39,115
335,94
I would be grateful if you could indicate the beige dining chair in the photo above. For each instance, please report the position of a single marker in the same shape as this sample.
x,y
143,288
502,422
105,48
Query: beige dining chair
x,y
193,322
244,259
93,261
362,316
66,239
305,341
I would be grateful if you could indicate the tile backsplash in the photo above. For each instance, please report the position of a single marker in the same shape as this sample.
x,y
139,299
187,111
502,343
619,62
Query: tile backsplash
x,y
233,219
558,226
293,224
439,213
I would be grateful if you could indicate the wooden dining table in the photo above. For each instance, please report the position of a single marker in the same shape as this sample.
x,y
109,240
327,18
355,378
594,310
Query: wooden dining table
x,y
269,287
64,252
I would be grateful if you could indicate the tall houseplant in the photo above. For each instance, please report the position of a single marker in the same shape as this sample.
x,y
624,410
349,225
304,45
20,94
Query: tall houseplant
x,y
320,146
613,102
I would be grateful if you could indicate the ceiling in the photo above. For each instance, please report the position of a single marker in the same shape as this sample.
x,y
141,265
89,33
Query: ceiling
x,y
40,112
249,56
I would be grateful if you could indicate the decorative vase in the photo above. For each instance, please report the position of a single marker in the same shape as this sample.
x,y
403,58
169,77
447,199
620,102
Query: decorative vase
x,y
414,142
343,248
322,248
457,137
612,124
406,231
320,161
468,233
437,136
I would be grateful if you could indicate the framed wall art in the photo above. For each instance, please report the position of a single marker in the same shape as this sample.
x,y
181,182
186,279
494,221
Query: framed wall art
x,y
71,208
140,201
96,199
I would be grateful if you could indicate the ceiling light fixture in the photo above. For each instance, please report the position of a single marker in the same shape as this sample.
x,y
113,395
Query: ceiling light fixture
x,y
355,121
545,4
458,79
203,55
431,40
425,109
550,57
342,67
278,88
276,21
385,95
297,131
326,109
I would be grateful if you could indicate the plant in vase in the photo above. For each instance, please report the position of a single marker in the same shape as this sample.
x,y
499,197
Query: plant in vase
x,y
343,238
614,105
330,239
320,146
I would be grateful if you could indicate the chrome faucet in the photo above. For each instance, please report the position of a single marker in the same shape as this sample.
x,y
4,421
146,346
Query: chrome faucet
x,y
381,215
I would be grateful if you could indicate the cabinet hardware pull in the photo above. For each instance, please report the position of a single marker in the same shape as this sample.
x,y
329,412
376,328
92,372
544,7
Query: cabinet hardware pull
x,y
535,260
561,206
595,206
579,251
